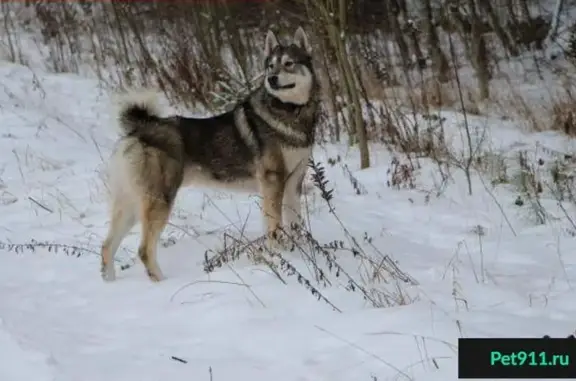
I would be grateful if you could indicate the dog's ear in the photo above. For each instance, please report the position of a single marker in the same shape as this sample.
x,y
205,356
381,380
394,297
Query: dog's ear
x,y
271,43
301,40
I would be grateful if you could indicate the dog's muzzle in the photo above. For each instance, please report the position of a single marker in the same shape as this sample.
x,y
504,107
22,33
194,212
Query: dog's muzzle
x,y
274,85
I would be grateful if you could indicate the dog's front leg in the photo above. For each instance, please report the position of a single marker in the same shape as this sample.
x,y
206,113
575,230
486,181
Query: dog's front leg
x,y
292,200
272,191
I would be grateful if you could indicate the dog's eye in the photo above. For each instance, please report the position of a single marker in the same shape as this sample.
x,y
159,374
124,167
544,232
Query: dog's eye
x,y
289,64
270,66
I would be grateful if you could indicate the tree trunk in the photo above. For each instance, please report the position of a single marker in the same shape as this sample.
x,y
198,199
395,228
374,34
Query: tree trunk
x,y
328,96
479,53
393,13
551,38
440,65
504,37
335,29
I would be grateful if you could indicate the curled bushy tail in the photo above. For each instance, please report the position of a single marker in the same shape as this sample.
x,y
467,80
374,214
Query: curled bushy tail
x,y
137,110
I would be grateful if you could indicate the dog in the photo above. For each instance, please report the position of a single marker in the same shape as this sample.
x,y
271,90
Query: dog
x,y
262,145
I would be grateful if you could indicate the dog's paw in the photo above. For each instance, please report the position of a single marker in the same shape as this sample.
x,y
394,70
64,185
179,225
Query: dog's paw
x,y
296,234
155,276
289,238
108,274
278,241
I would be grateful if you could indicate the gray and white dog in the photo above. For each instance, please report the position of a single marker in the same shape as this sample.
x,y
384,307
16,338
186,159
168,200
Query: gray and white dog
x,y
262,145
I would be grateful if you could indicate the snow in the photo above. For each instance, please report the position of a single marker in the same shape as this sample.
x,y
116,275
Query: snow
x,y
483,269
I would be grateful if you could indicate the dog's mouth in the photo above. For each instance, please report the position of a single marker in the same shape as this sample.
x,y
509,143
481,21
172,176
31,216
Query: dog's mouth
x,y
284,87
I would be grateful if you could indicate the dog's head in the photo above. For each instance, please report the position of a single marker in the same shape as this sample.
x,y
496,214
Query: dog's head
x,y
289,74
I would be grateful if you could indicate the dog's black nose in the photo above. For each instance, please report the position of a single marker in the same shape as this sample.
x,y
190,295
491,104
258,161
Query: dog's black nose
x,y
273,81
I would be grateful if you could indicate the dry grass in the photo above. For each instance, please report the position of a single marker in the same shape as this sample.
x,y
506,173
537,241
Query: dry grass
x,y
202,63
563,117
376,279
205,58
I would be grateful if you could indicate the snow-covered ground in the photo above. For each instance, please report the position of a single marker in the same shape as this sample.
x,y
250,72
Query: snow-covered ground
x,y
482,267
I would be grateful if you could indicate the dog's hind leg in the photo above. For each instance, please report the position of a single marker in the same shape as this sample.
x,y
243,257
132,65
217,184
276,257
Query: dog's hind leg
x,y
161,177
123,219
155,213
